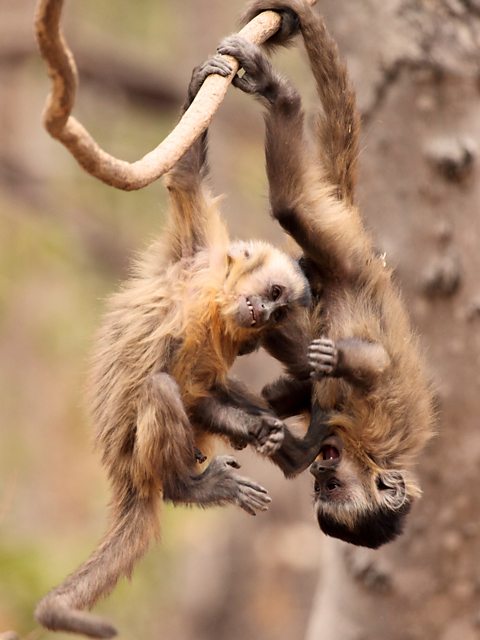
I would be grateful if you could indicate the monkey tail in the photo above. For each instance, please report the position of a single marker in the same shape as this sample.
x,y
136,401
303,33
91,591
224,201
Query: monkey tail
x,y
339,124
125,543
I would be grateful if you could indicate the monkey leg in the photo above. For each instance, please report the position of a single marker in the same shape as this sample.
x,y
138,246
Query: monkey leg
x,y
233,411
165,449
297,454
289,343
358,361
193,218
288,397
220,485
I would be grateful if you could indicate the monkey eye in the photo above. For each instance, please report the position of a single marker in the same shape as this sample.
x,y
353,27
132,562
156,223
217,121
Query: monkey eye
x,y
276,292
332,484
246,253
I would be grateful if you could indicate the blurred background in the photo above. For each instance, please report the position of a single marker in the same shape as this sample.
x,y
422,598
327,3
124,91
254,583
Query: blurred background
x,y
65,243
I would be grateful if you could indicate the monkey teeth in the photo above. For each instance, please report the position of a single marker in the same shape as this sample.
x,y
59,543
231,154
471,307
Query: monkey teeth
x,y
252,312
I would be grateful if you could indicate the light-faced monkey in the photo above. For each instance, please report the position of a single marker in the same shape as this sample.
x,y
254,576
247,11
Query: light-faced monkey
x,y
193,303
364,360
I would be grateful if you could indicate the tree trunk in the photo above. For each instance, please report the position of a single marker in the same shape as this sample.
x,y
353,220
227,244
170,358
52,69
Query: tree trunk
x,y
416,68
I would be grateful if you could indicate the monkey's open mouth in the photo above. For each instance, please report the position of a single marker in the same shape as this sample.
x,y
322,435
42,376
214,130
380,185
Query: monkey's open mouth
x,y
329,452
252,312
331,449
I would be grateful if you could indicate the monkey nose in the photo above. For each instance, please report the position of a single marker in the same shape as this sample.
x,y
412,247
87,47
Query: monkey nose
x,y
320,468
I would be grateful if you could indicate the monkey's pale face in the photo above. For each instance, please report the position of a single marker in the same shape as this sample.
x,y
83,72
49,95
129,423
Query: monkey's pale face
x,y
262,286
354,502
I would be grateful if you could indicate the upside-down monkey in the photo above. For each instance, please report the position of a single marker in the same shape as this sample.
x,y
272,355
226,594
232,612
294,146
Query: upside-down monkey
x,y
194,302
364,360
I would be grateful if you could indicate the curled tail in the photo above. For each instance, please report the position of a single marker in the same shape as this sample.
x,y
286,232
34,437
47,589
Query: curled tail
x,y
124,544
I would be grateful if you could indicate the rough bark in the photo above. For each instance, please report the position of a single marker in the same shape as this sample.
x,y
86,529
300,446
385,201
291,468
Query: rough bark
x,y
416,66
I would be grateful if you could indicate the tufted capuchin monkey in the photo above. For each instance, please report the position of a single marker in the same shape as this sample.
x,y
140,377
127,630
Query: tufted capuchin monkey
x,y
193,303
371,405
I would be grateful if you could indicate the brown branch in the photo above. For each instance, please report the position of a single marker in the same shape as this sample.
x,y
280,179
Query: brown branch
x,y
65,128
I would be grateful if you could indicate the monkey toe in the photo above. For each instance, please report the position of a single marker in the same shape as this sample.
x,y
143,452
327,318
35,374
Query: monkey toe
x,y
252,497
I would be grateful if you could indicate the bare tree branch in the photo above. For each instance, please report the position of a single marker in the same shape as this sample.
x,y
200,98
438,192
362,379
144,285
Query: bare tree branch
x,y
65,128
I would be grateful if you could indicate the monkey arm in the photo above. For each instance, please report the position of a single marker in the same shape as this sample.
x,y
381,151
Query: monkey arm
x,y
358,361
309,196
233,411
339,124
288,343
194,224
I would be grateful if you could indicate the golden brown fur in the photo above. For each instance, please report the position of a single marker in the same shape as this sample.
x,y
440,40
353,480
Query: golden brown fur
x,y
193,302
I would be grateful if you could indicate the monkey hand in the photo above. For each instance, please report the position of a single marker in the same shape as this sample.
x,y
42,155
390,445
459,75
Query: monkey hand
x,y
267,434
289,26
322,358
259,77
248,495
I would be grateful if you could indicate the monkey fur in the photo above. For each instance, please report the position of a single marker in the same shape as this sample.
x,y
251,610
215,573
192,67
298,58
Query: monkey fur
x,y
370,403
193,303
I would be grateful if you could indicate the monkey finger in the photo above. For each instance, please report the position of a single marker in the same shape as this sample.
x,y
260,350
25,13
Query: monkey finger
x,y
272,444
322,348
246,508
216,66
244,51
243,84
272,421
322,341
321,357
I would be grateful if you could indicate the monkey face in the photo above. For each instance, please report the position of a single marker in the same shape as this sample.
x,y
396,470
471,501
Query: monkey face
x,y
355,503
262,286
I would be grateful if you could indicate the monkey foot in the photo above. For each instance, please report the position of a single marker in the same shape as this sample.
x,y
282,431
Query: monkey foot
x,y
248,495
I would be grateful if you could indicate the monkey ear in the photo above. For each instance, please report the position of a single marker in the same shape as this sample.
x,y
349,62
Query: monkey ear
x,y
392,488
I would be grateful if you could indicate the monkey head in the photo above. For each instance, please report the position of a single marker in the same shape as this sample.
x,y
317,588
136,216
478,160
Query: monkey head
x,y
356,501
262,286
